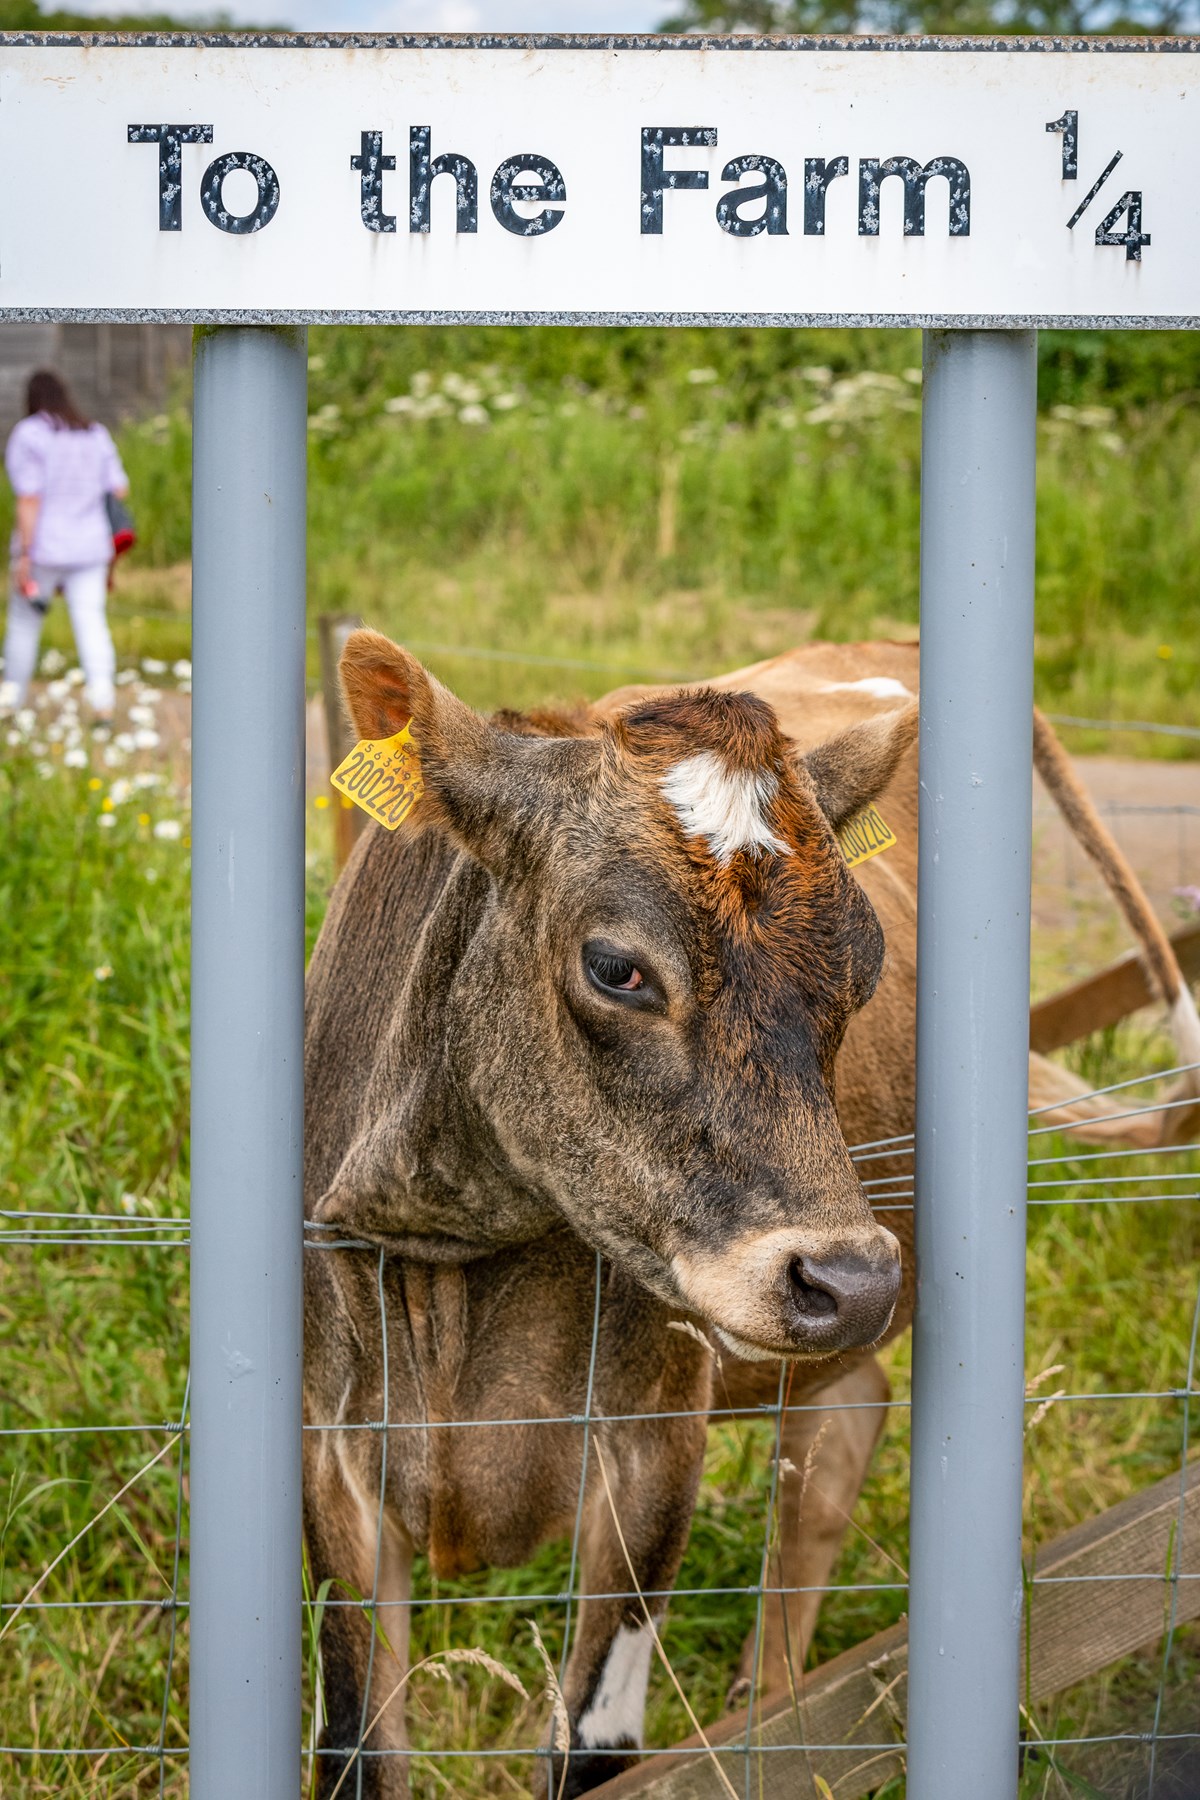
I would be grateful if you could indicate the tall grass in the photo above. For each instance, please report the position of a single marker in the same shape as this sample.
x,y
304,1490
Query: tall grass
x,y
682,501
93,1120
631,504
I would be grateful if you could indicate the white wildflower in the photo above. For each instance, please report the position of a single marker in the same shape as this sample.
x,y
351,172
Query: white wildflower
x,y
13,739
182,670
400,403
701,377
506,402
106,821
145,739
152,666
473,414
75,759
113,757
126,676
53,663
168,829
45,770
146,778
185,687
142,715
151,874
120,791
421,383
129,1203
124,741
56,690
103,972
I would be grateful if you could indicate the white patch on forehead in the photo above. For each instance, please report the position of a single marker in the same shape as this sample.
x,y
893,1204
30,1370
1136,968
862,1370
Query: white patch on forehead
x,y
616,1713
880,687
727,807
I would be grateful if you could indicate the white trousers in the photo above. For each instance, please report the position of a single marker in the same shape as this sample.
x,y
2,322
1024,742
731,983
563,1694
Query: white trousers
x,y
86,592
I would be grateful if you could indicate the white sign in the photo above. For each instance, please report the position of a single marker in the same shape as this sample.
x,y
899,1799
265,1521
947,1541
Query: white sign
x,y
757,181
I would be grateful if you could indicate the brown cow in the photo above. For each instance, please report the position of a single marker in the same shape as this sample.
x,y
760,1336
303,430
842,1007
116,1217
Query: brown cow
x,y
816,691
590,1001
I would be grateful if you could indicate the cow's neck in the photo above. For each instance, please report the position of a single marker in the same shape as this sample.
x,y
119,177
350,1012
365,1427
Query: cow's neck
x,y
422,1171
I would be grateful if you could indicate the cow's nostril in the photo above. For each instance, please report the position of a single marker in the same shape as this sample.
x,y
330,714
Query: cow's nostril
x,y
816,1301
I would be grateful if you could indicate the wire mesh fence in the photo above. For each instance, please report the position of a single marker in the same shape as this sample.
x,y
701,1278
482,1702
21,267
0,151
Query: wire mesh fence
x,y
97,1668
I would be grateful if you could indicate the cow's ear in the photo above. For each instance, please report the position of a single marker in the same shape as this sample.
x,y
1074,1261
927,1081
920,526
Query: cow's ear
x,y
385,688
488,788
853,768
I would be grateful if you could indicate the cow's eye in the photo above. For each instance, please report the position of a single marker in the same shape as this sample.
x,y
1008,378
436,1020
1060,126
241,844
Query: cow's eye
x,y
612,972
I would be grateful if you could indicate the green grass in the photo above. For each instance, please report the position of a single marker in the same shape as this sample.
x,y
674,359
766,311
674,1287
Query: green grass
x,y
93,1119
624,506
677,502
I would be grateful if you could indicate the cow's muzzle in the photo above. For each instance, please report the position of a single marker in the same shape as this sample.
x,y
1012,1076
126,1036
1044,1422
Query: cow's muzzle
x,y
789,1293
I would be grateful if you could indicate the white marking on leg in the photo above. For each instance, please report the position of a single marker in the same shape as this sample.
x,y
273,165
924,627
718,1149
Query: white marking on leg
x,y
727,807
616,1714
880,687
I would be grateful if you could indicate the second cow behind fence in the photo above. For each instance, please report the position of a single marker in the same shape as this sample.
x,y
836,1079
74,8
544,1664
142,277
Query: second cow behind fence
x,y
571,1039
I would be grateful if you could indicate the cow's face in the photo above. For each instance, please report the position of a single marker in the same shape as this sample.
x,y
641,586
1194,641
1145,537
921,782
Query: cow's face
x,y
648,1013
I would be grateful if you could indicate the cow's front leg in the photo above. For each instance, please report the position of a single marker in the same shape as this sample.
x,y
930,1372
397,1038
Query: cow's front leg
x,y
829,1453
613,1647
340,1531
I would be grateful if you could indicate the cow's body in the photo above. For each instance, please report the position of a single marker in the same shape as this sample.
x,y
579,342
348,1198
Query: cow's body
x,y
486,1294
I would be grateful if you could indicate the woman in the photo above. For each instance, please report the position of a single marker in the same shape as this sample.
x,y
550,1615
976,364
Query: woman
x,y
62,467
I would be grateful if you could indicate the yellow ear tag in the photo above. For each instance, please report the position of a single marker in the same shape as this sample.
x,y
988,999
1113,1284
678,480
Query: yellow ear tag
x,y
383,776
864,835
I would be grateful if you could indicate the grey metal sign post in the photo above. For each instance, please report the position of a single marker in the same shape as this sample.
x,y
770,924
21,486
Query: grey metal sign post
x,y
977,189
976,826
248,507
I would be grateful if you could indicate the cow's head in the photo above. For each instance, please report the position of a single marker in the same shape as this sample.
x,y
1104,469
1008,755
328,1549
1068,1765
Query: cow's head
x,y
647,1013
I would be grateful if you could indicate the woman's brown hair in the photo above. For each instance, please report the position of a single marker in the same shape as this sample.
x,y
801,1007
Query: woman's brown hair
x,y
47,394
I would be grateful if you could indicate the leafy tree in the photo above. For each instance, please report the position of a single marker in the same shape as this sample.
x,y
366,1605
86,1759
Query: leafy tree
x,y
1038,18
29,15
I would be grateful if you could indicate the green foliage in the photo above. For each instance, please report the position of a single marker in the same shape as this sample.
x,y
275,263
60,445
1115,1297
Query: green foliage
x,y
93,1121
1037,18
626,503
30,15
659,502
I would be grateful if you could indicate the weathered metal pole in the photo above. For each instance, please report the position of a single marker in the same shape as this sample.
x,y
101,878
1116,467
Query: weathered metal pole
x,y
248,503
977,581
